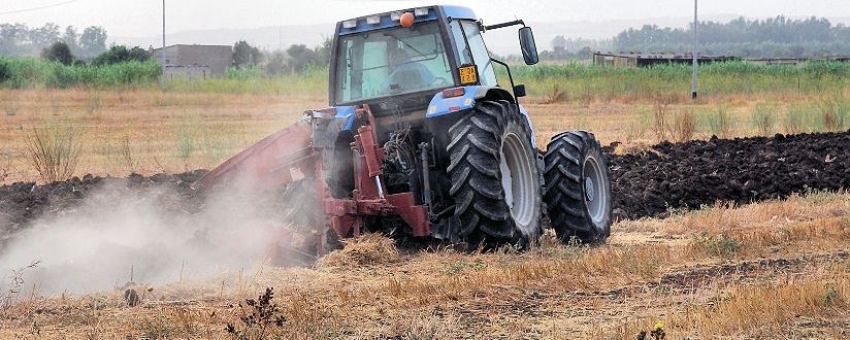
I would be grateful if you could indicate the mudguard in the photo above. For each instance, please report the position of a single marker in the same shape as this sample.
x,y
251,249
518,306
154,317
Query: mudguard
x,y
441,106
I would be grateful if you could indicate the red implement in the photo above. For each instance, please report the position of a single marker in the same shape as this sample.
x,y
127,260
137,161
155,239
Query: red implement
x,y
290,155
273,161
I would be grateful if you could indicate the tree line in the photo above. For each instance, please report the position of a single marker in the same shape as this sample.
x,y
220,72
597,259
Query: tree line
x,y
778,37
295,59
19,40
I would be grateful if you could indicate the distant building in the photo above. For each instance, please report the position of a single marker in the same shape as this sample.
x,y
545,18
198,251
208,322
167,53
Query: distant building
x,y
645,60
196,61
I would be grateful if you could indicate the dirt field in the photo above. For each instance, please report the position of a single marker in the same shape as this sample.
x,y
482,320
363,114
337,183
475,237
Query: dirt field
x,y
776,269
677,258
690,175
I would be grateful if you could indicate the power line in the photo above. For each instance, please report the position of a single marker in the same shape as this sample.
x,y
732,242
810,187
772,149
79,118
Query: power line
x,y
38,8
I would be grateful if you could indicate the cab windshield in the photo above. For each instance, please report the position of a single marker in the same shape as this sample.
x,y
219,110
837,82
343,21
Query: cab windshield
x,y
391,62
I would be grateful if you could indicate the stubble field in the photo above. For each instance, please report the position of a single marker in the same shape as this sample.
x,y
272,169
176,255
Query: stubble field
x,y
680,256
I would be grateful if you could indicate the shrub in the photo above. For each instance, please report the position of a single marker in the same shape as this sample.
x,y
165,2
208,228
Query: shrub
x,y
120,54
260,317
54,151
58,51
717,245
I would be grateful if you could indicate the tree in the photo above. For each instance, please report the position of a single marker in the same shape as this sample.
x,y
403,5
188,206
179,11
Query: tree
x,y
768,38
120,54
245,55
45,35
58,51
559,44
323,52
93,41
71,37
276,64
585,53
300,57
11,37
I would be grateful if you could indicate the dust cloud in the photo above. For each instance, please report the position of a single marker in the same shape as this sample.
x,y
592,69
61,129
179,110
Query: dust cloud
x,y
119,234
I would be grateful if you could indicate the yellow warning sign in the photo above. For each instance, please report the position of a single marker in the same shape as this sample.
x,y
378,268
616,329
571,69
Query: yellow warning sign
x,y
468,74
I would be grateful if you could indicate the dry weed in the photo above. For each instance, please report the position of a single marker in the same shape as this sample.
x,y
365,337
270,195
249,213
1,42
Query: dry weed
x,y
557,95
366,250
764,118
720,121
765,309
635,148
54,151
684,126
659,123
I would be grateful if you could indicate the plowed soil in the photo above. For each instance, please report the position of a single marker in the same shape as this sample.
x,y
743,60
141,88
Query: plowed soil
x,y
697,173
665,178
23,202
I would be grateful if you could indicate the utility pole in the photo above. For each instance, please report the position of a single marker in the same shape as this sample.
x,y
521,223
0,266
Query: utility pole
x,y
162,52
696,61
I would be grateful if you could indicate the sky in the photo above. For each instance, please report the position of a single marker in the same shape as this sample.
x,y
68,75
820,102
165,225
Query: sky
x,y
137,18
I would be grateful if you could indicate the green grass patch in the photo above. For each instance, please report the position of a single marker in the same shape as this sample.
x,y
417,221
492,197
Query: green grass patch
x,y
605,82
565,82
22,73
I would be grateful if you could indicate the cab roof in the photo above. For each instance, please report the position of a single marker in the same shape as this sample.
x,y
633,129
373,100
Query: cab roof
x,y
385,19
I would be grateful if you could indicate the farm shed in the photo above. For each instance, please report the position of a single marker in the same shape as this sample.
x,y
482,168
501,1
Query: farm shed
x,y
645,60
196,61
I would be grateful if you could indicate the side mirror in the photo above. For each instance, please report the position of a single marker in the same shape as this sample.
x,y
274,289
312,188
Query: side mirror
x,y
519,91
529,48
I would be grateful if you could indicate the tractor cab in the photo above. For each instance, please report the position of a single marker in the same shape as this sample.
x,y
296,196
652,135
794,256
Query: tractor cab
x,y
398,61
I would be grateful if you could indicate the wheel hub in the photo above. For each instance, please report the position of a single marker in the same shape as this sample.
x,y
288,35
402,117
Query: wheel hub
x,y
589,192
518,180
595,190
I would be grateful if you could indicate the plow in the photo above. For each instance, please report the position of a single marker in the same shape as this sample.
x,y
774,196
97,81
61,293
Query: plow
x,y
421,140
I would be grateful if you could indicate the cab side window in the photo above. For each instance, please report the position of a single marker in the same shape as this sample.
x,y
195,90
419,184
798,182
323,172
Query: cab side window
x,y
479,53
465,55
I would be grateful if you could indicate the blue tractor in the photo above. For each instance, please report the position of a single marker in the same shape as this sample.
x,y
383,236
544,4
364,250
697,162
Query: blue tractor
x,y
422,140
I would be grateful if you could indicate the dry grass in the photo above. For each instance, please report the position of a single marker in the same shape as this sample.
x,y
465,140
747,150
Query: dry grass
x,y
684,126
54,151
786,277
556,95
771,270
783,306
147,131
366,250
144,131
660,121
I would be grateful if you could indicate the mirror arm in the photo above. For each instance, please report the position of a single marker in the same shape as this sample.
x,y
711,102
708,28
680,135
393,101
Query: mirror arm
x,y
510,77
502,25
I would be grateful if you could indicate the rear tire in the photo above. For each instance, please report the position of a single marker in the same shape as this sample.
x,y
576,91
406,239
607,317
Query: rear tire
x,y
494,176
578,188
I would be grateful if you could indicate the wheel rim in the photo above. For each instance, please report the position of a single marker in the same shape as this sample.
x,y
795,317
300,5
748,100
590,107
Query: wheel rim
x,y
518,181
594,190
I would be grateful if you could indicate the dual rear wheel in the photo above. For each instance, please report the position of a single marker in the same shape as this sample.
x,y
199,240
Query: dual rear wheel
x,y
498,189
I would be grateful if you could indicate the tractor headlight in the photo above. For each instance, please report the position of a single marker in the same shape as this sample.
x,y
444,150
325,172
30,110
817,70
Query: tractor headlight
x,y
349,23
421,12
373,20
395,16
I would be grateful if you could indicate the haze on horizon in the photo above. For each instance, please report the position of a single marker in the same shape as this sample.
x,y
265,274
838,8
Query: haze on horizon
x,y
130,18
